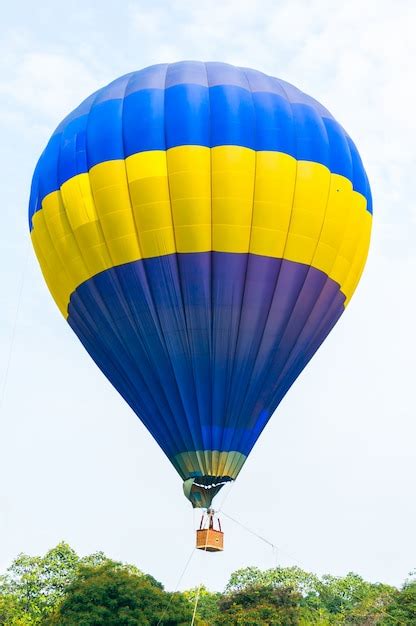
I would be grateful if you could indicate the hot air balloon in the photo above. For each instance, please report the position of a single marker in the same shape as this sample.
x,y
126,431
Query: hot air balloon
x,y
201,227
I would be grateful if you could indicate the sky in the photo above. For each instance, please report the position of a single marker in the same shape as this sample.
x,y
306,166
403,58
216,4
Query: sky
x,y
331,481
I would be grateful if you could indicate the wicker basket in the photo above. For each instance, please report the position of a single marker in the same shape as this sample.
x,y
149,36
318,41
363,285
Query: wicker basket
x,y
210,540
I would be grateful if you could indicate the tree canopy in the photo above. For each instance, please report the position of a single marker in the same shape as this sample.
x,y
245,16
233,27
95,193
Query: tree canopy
x,y
111,595
63,589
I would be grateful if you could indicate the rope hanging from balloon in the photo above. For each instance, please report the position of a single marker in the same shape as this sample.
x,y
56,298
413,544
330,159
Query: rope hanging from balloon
x,y
196,604
188,562
185,569
252,532
276,549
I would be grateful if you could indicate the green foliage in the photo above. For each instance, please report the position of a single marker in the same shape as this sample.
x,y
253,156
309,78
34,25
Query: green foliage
x,y
293,577
33,585
63,589
10,612
329,600
353,599
207,608
259,606
244,578
111,595
402,609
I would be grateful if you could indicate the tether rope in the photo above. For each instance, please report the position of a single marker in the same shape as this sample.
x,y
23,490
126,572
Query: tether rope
x,y
276,549
177,586
188,562
249,530
196,604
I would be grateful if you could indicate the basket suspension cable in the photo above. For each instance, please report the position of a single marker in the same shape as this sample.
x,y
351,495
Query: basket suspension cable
x,y
209,538
200,584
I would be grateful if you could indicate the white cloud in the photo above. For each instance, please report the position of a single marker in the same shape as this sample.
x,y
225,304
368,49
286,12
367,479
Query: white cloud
x,y
46,84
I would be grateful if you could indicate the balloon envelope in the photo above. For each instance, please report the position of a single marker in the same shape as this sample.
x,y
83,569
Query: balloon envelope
x,y
201,228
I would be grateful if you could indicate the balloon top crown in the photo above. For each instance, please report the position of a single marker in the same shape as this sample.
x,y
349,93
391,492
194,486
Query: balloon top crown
x,y
271,111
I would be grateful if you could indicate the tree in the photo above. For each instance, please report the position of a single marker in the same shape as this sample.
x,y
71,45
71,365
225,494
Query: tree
x,y
33,585
63,589
329,600
304,584
260,606
294,577
245,578
111,595
355,600
10,612
402,609
207,608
